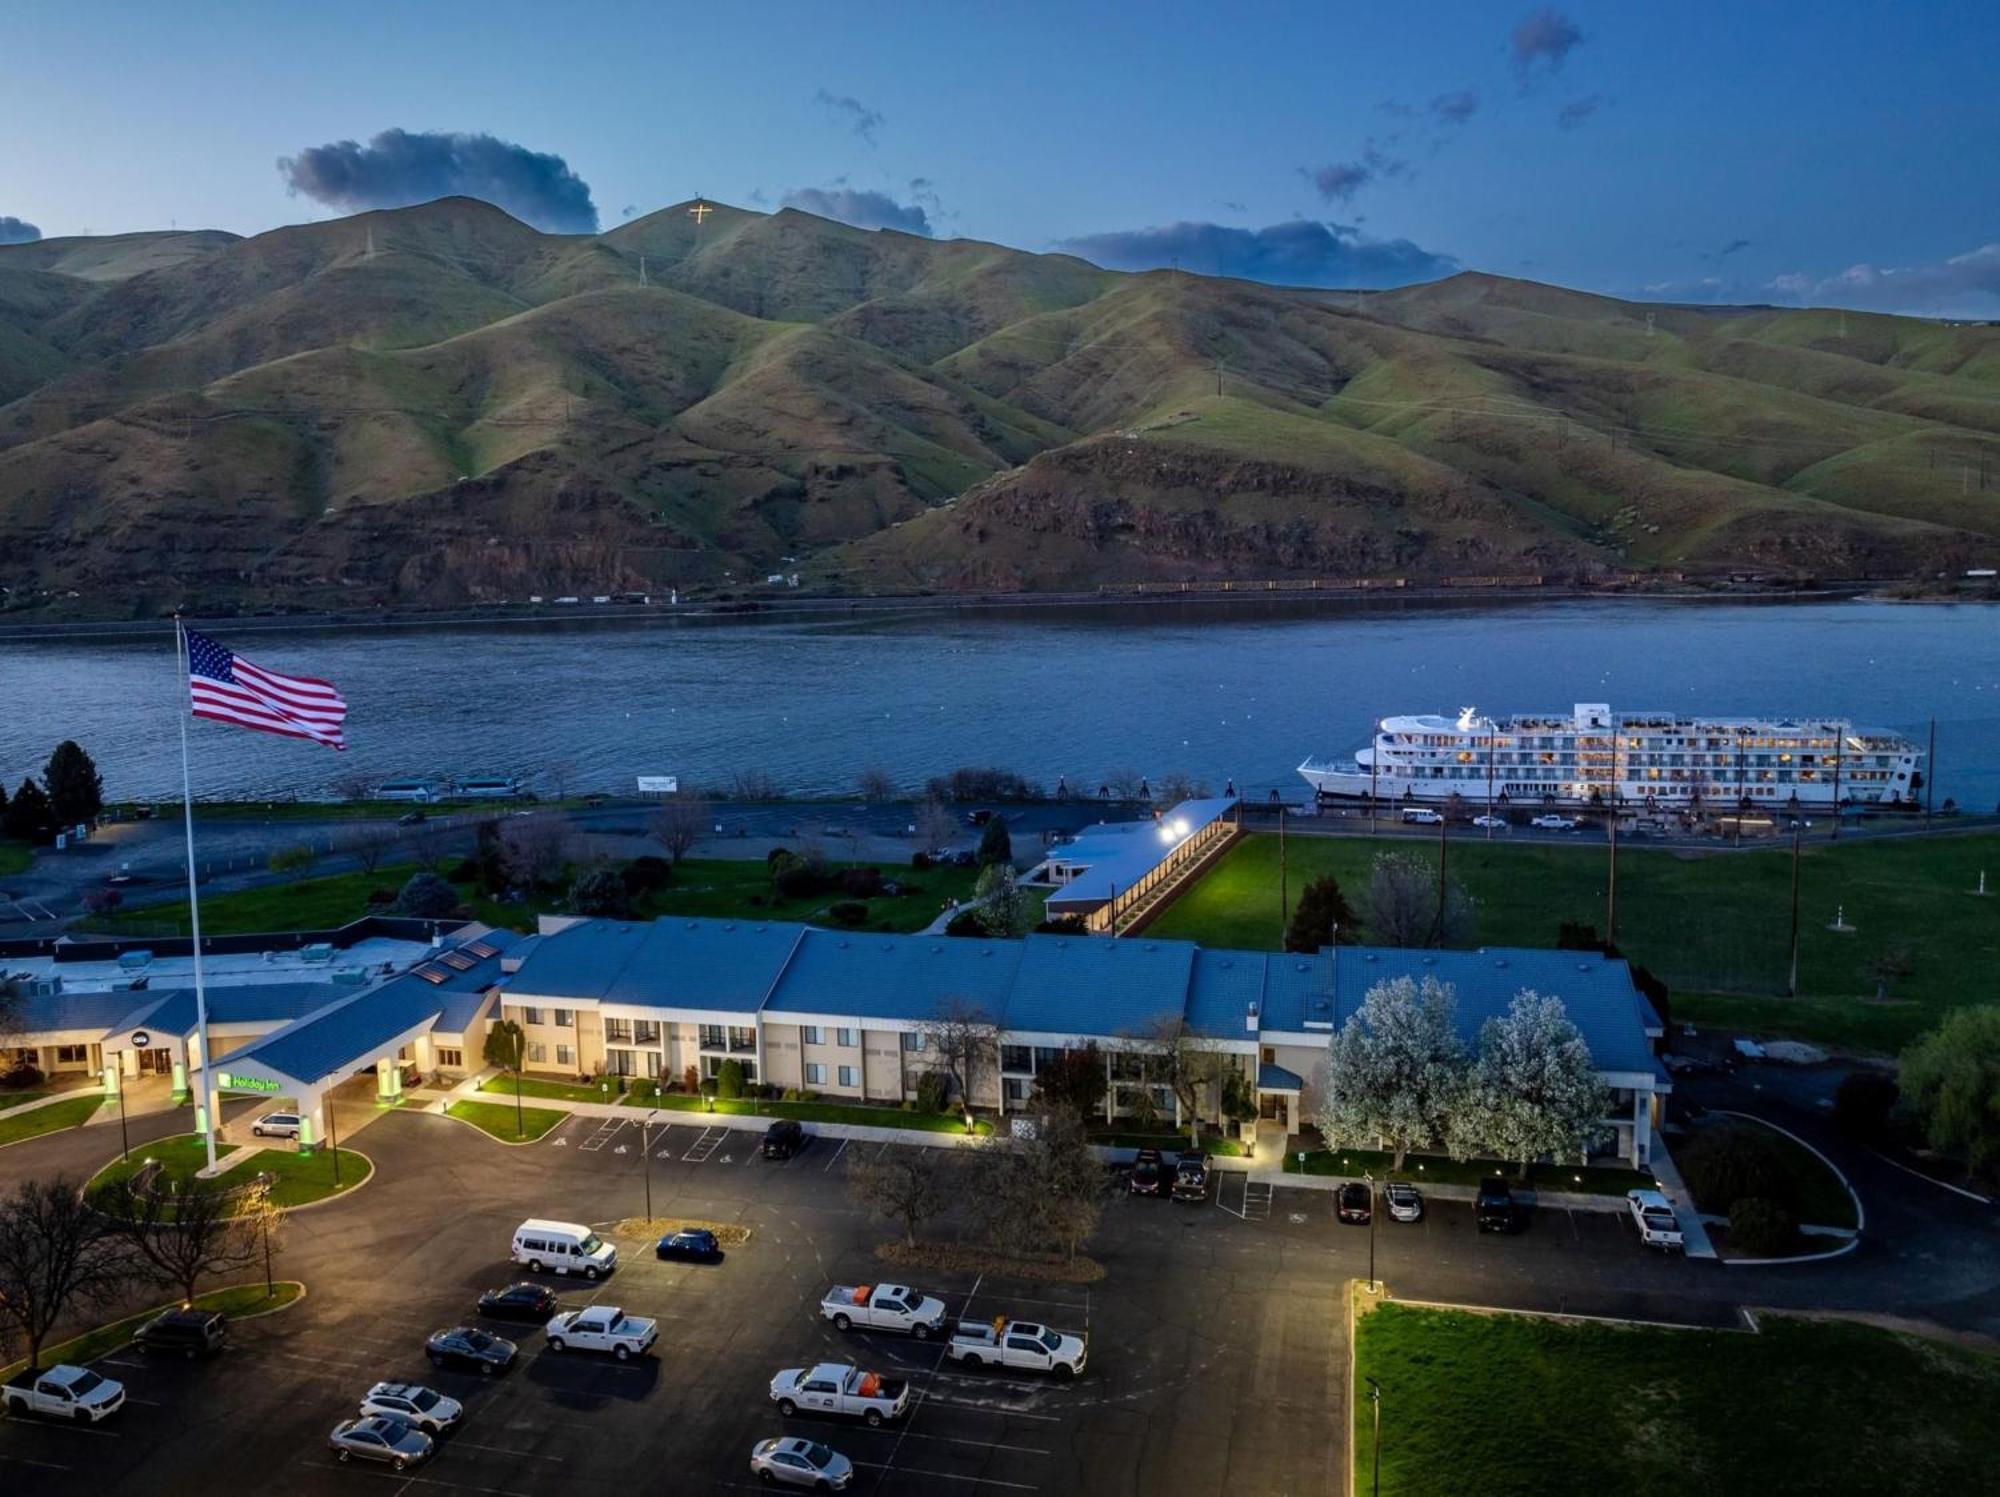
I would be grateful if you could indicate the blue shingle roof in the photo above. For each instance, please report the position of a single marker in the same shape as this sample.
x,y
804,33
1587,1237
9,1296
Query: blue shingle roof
x,y
1275,1078
100,1012
1225,986
336,1038
1119,854
1090,985
894,977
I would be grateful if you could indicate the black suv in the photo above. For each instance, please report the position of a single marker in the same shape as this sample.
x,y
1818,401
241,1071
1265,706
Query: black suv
x,y
192,1333
1495,1210
1355,1204
1149,1175
783,1139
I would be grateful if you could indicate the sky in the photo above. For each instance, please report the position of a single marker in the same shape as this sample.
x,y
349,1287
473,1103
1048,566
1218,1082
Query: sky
x,y
1837,154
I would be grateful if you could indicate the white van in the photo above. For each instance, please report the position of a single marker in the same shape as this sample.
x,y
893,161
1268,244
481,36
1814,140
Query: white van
x,y
563,1247
1423,816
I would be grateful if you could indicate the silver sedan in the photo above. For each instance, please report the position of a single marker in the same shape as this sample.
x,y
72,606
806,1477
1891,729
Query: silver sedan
x,y
378,1438
794,1462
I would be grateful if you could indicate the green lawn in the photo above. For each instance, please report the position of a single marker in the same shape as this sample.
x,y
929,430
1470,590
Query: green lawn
x,y
237,1300
10,1100
1714,925
499,1119
49,1119
857,1113
300,1178
1505,1404
1420,1169
1822,1200
299,904
14,857
553,1091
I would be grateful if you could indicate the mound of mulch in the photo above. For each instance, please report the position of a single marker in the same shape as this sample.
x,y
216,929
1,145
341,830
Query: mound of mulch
x,y
950,1257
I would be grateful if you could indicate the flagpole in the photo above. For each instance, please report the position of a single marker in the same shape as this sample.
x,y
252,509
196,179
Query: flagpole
x,y
209,1100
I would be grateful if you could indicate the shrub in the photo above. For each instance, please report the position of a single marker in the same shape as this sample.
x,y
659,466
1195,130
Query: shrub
x,y
798,879
1061,925
966,923
23,1075
1725,1163
381,896
600,892
646,873
293,859
465,871
920,860
982,784
862,883
691,1079
729,1080
848,912
102,901
645,1088
1861,1107
776,858
933,1092
1760,1228
427,896
908,1104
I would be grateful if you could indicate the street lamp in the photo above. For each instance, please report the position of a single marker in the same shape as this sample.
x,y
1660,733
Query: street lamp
x,y
1369,1176
646,1148
1375,1398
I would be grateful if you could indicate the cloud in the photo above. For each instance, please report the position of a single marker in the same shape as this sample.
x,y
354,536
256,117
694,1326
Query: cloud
x,y
1455,108
865,209
628,210
1234,207
1733,247
1540,44
1966,285
1338,181
1577,112
1304,252
398,168
857,115
17,231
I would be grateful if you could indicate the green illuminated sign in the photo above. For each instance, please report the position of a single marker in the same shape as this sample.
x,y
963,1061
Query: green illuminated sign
x,y
231,1083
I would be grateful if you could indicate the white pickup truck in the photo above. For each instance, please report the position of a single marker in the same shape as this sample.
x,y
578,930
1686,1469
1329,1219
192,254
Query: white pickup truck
x,y
841,1388
64,1393
884,1307
1653,1215
1017,1343
602,1328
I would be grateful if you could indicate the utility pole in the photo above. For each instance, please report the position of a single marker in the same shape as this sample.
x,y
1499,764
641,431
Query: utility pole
x,y
1218,379
1839,745
1792,985
1444,825
1930,775
1284,898
1611,888
642,267
1375,1399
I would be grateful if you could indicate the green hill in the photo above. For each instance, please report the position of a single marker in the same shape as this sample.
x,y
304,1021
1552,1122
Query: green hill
x,y
439,404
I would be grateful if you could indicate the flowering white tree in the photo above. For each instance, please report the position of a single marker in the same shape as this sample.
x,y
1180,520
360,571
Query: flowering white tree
x,y
1397,1070
1535,1088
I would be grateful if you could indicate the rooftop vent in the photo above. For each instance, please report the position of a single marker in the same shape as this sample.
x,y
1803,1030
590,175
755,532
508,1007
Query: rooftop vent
x,y
1501,962
1430,961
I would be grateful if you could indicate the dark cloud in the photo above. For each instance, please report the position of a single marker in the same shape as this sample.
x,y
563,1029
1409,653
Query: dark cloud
x,y
757,195
1541,42
858,117
863,208
628,210
17,231
1455,108
398,168
1338,181
1733,247
1304,252
1234,207
1578,112
1397,109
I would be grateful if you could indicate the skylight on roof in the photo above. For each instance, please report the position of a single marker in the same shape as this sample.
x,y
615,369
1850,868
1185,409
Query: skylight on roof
x,y
431,972
458,960
483,950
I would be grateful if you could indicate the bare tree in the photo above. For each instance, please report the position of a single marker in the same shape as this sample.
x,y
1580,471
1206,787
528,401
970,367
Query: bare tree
x,y
55,1253
184,1235
1403,904
754,785
367,844
963,1043
875,785
1178,786
909,1185
681,822
1124,783
935,825
534,848
1189,1062
1042,1188
560,772
13,1003
353,787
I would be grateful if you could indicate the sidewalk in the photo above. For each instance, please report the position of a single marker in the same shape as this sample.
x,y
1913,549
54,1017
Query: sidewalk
x,y
69,1095
1694,1231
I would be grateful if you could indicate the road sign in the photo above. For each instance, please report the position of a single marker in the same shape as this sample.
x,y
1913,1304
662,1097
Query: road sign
x,y
659,784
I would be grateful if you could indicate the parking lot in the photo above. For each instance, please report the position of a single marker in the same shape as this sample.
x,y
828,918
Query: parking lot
x,y
1217,1341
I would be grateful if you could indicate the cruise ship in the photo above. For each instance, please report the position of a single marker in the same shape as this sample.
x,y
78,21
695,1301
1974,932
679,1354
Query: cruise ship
x,y
1594,756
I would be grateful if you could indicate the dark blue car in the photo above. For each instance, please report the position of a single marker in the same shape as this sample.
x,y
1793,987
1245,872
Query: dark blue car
x,y
690,1245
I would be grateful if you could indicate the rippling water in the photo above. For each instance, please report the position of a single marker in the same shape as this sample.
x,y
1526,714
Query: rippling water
x,y
1216,692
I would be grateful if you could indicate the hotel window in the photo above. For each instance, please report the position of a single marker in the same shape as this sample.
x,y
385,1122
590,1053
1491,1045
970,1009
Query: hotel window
x,y
531,1016
1017,1058
913,1040
450,1060
1015,1089
652,1063
742,1039
810,1034
844,1037
646,1031
815,1074
565,1056
617,1031
713,1037
72,1055
538,1055
565,1018
850,1076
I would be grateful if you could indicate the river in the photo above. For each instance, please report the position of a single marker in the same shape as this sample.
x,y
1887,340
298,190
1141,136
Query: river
x,y
1218,692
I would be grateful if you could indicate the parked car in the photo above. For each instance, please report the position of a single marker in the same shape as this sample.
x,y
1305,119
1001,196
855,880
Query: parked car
x,y
192,1333
566,1247
413,1404
1356,1204
978,818
1191,1176
603,1328
1148,1175
1553,823
1403,1201
1423,816
1653,1215
783,1139
1495,1209
792,1462
526,1302
469,1347
64,1392
1496,823
884,1307
1019,1344
276,1125
841,1388
380,1439
689,1245
411,818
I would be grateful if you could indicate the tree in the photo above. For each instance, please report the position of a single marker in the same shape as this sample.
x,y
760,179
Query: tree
x,y
533,848
1862,1105
875,785
1397,1070
1951,1079
1187,1061
427,897
935,828
965,1042
1403,904
352,787
293,859
600,892
910,1186
1074,1081
489,857
506,1048
995,844
560,773
55,1253
368,845
1239,1098
1176,786
1047,1187
1888,968
29,816
729,1079
184,1234
74,787
1003,910
1761,1228
1535,1087
680,823
1322,917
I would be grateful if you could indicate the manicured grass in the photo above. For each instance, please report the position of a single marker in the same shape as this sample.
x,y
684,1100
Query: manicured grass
x,y
299,1178
553,1091
498,1120
859,1114
1822,1200
301,904
236,1300
14,857
1420,1169
1166,1143
1709,922
19,1099
50,1119
725,888
1505,1404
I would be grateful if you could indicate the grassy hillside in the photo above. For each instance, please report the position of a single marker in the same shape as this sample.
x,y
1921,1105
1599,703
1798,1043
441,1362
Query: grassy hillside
x,y
439,404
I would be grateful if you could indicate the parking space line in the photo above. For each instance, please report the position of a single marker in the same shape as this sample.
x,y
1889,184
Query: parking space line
x,y
523,1455
409,1481
977,1406
22,1460
751,1157
983,1444
704,1146
978,1481
608,1130
836,1156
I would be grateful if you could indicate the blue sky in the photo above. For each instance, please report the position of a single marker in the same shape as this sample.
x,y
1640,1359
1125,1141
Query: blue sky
x,y
1747,151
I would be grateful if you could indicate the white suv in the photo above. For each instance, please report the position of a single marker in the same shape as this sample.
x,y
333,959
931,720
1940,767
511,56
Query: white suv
x,y
1554,823
1653,1215
414,1404
276,1125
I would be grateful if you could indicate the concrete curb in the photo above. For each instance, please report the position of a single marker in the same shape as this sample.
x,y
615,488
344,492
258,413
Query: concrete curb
x,y
332,1200
15,1143
70,1094
1664,1325
1860,1212
442,1111
1958,1190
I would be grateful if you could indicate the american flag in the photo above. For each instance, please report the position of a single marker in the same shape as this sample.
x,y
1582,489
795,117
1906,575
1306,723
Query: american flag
x,y
229,689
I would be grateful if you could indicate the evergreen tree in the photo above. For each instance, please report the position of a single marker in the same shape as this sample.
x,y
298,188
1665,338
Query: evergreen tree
x,y
1323,916
74,787
995,843
29,817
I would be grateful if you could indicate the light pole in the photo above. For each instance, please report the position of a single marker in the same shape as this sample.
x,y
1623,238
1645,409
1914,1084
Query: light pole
x,y
1375,1398
646,1148
1370,1178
